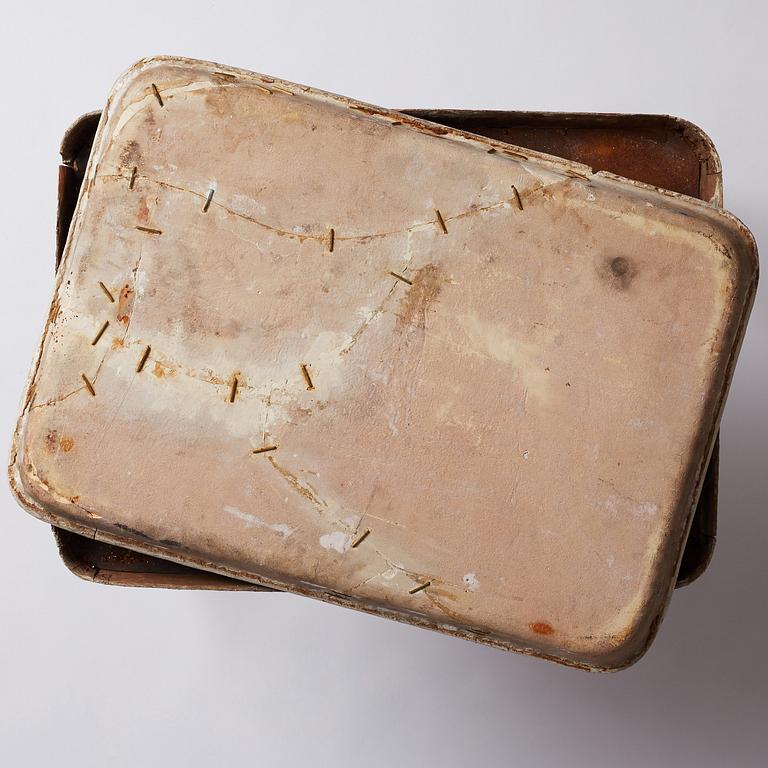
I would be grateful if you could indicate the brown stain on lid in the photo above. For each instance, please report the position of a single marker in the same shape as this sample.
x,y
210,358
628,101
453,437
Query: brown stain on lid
x,y
125,304
425,289
161,370
143,214
54,443
542,628
617,271
51,441
130,154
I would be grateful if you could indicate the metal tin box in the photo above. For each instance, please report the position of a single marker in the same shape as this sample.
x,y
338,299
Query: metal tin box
x,y
366,358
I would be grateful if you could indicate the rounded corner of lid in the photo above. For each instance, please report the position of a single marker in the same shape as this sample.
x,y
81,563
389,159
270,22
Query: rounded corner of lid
x,y
741,249
622,646
150,62
19,474
29,489
139,69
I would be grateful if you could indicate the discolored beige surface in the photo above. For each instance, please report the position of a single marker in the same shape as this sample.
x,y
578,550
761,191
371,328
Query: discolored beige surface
x,y
509,402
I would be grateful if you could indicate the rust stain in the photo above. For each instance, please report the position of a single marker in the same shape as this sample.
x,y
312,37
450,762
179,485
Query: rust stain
x,y
130,155
542,628
51,441
117,343
425,288
125,304
618,272
143,214
161,370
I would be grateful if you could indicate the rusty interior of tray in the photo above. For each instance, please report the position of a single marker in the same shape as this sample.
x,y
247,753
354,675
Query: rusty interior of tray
x,y
657,150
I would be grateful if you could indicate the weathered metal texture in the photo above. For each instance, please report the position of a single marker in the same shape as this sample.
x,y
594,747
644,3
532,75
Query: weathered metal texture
x,y
660,150
393,366
656,149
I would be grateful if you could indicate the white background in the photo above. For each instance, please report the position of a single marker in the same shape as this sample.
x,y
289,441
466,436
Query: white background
x,y
101,676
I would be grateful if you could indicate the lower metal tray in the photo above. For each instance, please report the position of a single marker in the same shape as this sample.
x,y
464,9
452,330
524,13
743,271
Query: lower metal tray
x,y
655,149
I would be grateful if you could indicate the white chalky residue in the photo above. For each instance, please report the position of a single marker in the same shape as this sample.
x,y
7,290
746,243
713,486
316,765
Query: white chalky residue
x,y
142,280
470,579
393,417
337,540
647,508
281,528
617,505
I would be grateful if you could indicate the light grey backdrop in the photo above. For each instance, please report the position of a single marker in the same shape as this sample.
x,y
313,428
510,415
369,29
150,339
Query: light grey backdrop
x,y
99,676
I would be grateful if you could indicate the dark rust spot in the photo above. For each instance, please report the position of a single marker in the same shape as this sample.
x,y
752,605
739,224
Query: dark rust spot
x,y
619,266
51,441
542,628
618,271
130,155
125,304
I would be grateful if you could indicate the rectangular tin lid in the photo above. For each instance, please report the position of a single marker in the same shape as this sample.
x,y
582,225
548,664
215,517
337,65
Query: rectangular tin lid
x,y
337,350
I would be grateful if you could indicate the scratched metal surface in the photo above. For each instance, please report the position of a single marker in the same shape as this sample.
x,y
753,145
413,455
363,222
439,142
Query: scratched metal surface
x,y
313,409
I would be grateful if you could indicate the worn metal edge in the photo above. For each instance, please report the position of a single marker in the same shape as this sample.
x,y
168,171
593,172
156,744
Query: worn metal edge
x,y
198,580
